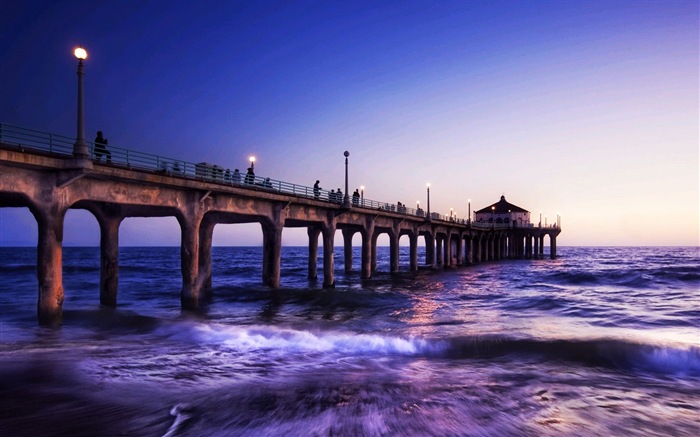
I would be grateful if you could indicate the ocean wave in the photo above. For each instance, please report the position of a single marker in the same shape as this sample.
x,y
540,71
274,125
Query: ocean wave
x,y
634,276
255,338
617,354
609,353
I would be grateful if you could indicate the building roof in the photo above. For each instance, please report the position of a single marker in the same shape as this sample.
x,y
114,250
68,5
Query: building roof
x,y
501,207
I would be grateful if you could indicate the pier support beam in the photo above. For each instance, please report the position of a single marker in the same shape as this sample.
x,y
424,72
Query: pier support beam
x,y
477,248
394,251
552,247
367,251
272,253
429,250
347,248
190,220
328,231
413,251
470,249
439,252
206,235
109,220
447,251
541,247
313,232
50,264
373,251
460,250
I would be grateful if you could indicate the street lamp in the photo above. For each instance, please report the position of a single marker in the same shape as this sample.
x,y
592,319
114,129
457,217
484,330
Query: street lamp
x,y
493,220
80,148
469,201
252,162
346,199
428,187
362,195
540,218
451,213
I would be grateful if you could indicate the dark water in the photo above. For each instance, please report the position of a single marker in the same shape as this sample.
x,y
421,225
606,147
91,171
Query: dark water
x,y
602,341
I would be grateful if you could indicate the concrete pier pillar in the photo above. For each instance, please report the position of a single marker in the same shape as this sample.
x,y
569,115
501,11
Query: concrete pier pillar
x,y
109,256
413,252
206,235
552,247
439,252
470,249
367,253
394,252
373,251
541,246
313,232
50,265
477,248
347,248
190,221
460,250
528,246
447,249
430,250
272,253
328,231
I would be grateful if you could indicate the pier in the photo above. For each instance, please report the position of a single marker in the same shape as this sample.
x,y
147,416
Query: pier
x,y
43,172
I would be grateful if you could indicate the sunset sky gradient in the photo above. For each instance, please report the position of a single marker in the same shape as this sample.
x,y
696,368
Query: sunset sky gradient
x,y
588,109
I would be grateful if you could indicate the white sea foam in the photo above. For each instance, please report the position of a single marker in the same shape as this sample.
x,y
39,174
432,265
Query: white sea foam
x,y
252,338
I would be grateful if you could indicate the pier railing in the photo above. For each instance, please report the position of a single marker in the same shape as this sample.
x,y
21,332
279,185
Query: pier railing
x,y
24,138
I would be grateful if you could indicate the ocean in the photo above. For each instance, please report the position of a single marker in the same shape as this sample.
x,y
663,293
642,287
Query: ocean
x,y
599,342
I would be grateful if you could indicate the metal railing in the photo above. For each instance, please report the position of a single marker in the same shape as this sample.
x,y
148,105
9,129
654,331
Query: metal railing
x,y
24,138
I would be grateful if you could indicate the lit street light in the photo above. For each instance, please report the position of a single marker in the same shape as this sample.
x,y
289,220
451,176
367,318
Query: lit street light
x,y
252,162
80,148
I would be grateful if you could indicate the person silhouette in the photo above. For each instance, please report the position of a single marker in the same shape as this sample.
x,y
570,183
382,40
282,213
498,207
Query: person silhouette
x,y
101,148
250,176
317,189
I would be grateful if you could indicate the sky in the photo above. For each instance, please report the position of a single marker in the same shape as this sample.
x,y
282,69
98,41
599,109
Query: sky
x,y
586,109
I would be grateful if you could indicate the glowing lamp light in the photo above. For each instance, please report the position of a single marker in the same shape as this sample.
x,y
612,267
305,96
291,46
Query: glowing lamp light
x,y
80,53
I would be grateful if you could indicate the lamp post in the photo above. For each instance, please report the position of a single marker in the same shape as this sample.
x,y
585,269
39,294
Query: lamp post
x,y
451,213
252,162
493,219
469,201
362,195
80,148
428,188
540,219
346,199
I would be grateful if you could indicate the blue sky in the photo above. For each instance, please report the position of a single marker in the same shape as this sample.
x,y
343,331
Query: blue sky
x,y
587,109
